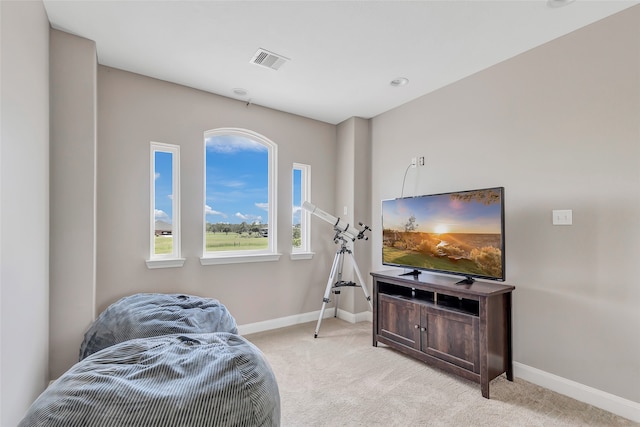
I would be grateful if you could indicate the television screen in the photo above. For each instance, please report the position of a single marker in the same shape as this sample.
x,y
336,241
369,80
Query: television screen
x,y
458,233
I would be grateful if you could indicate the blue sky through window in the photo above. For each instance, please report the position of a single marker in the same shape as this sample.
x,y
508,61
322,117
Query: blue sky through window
x,y
163,186
297,195
237,180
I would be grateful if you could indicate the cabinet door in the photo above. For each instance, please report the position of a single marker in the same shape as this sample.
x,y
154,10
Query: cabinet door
x,y
399,320
452,337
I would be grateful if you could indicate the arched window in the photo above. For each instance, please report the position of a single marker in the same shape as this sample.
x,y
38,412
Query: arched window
x,y
240,197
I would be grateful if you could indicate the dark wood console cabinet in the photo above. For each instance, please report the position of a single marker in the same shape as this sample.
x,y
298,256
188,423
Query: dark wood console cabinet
x,y
462,329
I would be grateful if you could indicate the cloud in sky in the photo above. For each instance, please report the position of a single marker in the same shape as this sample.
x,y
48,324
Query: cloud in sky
x,y
295,214
257,219
208,210
161,215
156,176
232,184
263,206
232,144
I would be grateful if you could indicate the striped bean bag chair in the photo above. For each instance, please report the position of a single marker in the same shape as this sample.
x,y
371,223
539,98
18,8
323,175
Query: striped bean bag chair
x,y
196,380
151,314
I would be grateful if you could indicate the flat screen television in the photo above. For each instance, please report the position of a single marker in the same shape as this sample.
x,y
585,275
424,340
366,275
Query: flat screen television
x,y
458,233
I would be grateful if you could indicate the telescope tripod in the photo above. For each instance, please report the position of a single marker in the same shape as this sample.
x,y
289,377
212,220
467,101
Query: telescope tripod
x,y
335,281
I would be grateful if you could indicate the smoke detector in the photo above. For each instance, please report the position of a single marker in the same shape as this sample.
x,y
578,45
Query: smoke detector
x,y
268,59
240,91
399,81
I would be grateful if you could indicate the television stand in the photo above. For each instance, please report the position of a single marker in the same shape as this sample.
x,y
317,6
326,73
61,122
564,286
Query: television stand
x,y
462,330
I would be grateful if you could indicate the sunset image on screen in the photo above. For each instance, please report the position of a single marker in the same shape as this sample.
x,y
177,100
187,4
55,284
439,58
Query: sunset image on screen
x,y
454,232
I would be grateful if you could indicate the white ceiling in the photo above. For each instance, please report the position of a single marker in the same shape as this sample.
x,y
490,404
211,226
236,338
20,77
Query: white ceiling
x,y
343,54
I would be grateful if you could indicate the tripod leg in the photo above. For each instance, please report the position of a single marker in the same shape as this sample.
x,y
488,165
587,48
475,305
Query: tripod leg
x,y
338,280
362,282
327,291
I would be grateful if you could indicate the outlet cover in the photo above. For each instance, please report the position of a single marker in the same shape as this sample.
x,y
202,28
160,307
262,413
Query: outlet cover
x,y
562,217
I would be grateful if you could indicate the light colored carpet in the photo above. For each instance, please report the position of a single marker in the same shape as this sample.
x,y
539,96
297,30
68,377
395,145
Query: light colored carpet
x,y
340,379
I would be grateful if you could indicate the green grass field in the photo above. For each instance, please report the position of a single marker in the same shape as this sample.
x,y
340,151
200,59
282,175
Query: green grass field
x,y
163,245
217,242
235,242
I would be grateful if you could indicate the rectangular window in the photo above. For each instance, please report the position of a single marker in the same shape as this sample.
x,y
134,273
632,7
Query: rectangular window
x,y
301,180
165,206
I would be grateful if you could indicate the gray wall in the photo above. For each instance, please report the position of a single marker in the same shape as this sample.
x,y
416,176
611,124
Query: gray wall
x,y
24,201
353,193
558,128
73,195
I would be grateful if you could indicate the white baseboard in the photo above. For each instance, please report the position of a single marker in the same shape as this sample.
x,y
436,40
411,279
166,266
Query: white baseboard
x,y
600,399
364,316
282,322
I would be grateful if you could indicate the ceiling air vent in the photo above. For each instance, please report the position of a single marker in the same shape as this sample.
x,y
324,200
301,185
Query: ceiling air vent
x,y
268,59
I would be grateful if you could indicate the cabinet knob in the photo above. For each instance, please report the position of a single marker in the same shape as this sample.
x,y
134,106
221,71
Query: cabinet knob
x,y
416,326
423,329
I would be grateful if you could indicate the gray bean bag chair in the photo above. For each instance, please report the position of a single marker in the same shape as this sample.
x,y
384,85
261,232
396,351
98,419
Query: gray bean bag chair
x,y
197,380
150,315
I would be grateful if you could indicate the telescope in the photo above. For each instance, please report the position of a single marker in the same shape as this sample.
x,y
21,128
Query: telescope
x,y
341,227
335,282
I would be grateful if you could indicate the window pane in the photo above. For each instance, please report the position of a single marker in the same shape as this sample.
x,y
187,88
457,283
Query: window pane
x,y
163,203
297,208
301,193
237,194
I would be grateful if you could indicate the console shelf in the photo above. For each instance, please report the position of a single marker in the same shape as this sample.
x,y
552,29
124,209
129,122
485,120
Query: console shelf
x,y
462,329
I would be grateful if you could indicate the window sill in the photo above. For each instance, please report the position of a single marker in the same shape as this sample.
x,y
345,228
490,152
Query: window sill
x,y
238,259
165,263
301,255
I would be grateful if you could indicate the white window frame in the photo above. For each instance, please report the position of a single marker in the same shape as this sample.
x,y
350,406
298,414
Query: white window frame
x,y
173,259
304,251
244,256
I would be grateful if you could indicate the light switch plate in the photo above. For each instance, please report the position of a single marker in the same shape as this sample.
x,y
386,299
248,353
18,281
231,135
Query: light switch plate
x,y
562,217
